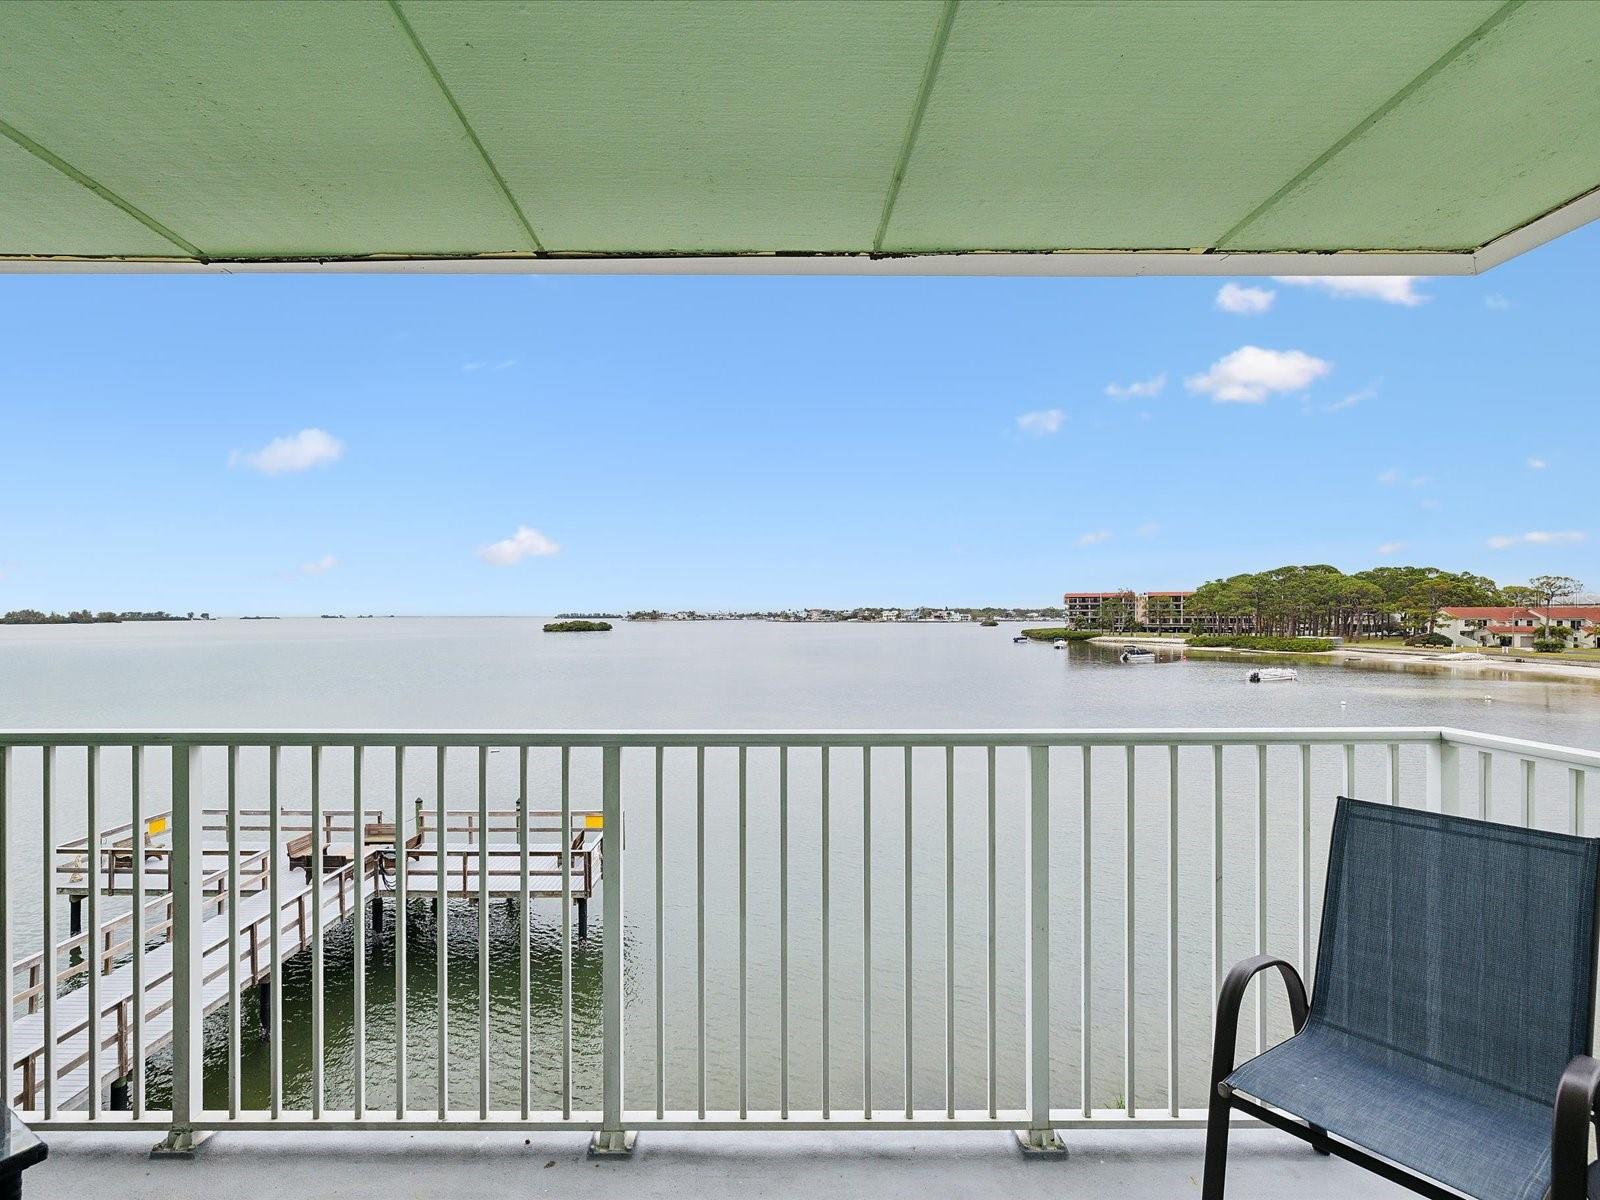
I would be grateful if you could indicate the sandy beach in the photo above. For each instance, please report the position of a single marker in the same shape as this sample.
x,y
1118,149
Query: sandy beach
x,y
1491,663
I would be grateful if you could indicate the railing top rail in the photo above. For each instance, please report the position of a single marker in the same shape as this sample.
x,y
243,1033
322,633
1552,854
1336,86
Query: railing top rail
x,y
1522,746
433,738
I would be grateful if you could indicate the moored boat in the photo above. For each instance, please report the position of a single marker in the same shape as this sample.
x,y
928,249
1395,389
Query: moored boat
x,y
1135,655
1272,675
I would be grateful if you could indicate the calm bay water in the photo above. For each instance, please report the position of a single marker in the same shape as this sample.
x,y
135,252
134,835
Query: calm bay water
x,y
484,673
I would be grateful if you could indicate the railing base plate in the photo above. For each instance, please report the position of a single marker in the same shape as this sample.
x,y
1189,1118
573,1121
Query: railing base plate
x,y
180,1144
1040,1143
613,1144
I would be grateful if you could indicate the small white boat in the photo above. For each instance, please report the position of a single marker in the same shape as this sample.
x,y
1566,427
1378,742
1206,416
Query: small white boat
x,y
1059,644
1272,675
1134,655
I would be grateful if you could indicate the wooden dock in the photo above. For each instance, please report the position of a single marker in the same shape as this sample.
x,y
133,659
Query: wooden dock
x,y
478,859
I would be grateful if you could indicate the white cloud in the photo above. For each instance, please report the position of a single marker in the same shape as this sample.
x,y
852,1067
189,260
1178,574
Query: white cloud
x,y
321,567
1537,537
1246,301
1044,421
524,543
1497,302
1149,529
297,452
1391,547
1250,374
1094,537
1353,399
1537,464
1429,503
487,365
1142,388
1394,477
1391,289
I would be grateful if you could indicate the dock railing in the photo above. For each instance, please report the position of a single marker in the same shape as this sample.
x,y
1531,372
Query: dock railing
x,y
855,929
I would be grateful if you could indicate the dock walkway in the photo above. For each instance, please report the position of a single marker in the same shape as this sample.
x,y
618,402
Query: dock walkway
x,y
473,866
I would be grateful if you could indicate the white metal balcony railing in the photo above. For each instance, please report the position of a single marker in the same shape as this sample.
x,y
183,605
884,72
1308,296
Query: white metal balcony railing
x,y
1053,912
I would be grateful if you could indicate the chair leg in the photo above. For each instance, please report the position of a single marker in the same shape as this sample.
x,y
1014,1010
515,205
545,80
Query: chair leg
x,y
1319,1140
1216,1170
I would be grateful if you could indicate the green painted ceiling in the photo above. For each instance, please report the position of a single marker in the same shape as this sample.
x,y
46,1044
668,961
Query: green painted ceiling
x,y
223,132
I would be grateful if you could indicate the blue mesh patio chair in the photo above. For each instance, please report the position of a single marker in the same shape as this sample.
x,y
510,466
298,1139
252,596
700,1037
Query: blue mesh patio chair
x,y
1446,1046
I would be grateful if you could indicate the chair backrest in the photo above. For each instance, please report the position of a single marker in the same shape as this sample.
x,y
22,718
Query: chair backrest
x,y
1459,948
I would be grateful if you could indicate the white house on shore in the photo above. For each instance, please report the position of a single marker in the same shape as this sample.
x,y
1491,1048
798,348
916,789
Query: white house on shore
x,y
1515,628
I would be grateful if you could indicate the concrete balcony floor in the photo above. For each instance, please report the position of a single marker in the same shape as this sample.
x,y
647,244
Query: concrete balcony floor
x,y
1103,1165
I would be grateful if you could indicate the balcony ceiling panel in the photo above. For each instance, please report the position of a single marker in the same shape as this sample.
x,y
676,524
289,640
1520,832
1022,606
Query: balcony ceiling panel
x,y
1073,125
1512,126
976,136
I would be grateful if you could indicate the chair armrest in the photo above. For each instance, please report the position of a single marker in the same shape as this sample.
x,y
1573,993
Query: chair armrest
x,y
1232,996
1569,1139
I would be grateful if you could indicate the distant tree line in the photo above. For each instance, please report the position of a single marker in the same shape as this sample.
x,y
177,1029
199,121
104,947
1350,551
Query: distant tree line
x,y
82,616
1322,600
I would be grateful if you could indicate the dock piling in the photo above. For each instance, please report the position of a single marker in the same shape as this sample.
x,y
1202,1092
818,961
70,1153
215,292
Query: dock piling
x,y
264,1007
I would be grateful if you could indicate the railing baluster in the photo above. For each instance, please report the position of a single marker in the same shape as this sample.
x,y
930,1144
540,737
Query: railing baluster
x,y
1039,1135
907,967
234,1022
866,931
402,914
950,932
1394,775
827,1105
566,933
185,872
1172,930
48,913
318,1021
700,927
441,934
1128,1032
275,902
1575,786
783,929
1529,767
1261,887
7,1092
358,929
524,935
1216,877
136,811
744,921
1350,770
483,932
1305,863
661,944
991,994
1485,783
92,956
1086,940
611,1138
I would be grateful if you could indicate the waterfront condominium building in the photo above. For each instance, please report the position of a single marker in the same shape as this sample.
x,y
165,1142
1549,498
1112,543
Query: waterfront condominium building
x,y
1159,611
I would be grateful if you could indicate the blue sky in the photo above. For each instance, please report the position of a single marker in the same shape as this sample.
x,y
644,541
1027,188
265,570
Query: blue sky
x,y
483,444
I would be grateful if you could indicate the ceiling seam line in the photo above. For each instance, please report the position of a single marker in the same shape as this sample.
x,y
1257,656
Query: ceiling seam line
x,y
1493,21
16,135
941,37
466,125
